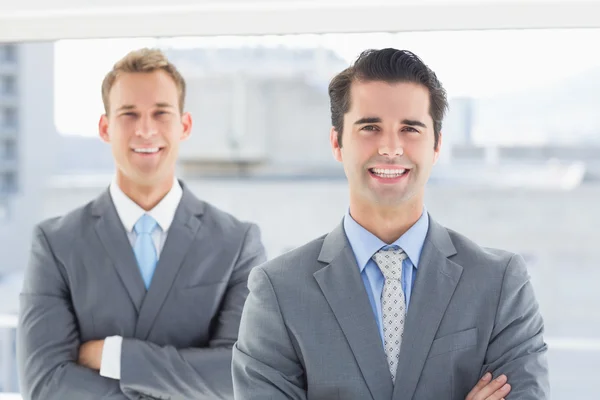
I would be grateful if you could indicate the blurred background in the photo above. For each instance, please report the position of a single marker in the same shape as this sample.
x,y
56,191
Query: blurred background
x,y
520,165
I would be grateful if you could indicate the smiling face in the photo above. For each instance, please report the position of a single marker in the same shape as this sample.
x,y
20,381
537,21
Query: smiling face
x,y
144,127
388,146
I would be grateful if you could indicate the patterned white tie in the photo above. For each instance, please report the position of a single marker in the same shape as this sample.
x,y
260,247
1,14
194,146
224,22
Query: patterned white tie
x,y
393,305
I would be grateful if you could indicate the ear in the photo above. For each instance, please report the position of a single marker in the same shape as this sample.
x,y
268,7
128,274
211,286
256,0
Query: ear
x,y
336,148
436,154
186,121
103,128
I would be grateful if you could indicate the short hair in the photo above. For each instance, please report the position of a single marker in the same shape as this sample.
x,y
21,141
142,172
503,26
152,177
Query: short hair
x,y
392,66
143,61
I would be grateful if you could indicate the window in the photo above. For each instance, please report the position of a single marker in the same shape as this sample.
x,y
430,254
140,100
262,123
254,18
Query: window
x,y
10,53
521,142
8,85
8,182
9,117
9,150
4,209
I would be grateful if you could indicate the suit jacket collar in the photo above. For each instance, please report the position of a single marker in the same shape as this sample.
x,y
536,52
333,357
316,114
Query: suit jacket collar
x,y
104,204
437,236
130,212
344,290
115,245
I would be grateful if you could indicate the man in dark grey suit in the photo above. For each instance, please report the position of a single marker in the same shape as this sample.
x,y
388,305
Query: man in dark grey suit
x,y
390,304
138,294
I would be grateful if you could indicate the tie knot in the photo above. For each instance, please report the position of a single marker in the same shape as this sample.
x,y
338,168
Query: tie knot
x,y
146,224
389,262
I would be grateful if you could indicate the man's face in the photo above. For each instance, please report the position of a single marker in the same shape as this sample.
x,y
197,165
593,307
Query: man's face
x,y
387,147
145,127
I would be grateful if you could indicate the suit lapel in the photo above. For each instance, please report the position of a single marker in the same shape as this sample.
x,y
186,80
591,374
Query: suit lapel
x,y
182,233
436,281
115,245
342,286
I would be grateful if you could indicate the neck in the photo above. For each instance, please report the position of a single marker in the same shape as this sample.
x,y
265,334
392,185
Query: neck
x,y
387,223
146,196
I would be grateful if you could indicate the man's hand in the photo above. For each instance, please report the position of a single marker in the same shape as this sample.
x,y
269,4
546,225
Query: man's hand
x,y
90,354
486,389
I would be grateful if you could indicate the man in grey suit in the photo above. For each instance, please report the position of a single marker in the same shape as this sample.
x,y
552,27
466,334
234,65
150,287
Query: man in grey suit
x,y
390,304
138,294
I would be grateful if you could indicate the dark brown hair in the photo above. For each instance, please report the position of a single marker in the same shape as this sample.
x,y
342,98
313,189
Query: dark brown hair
x,y
387,65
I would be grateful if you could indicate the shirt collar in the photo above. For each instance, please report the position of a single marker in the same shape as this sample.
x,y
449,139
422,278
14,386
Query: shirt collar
x,y
365,244
129,211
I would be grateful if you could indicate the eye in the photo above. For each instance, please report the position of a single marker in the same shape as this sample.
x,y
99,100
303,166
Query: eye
x,y
370,128
409,129
161,113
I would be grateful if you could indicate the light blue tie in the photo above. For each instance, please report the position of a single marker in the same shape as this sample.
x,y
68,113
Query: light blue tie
x,y
145,252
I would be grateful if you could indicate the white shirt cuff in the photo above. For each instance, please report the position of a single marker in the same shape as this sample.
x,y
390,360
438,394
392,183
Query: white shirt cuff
x,y
110,367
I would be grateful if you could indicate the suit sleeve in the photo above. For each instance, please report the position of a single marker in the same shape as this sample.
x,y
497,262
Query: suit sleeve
x,y
48,335
517,347
265,363
194,373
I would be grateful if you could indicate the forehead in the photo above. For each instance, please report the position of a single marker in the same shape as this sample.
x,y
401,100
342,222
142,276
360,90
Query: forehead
x,y
142,89
393,100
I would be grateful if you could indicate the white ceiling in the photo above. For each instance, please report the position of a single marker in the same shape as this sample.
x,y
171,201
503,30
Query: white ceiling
x,y
37,20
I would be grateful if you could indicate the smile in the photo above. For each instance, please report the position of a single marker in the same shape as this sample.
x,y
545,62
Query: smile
x,y
388,173
147,150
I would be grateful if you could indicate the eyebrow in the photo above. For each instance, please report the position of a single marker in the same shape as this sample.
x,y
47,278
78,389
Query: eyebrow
x,y
164,105
376,120
129,107
413,122
125,108
368,120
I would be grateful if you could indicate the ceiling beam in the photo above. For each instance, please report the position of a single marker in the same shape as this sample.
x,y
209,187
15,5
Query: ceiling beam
x,y
251,18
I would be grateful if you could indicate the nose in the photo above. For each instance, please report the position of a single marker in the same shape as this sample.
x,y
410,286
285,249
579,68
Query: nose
x,y
146,128
391,145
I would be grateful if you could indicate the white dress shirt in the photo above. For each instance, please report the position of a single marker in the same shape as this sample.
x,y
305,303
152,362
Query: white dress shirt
x,y
129,213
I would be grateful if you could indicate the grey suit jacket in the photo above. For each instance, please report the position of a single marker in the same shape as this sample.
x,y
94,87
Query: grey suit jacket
x,y
83,283
308,329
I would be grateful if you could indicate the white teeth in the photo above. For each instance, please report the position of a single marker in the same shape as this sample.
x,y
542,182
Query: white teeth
x,y
150,150
388,173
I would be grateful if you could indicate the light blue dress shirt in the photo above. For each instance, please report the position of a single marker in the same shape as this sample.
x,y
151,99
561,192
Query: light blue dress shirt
x,y
364,245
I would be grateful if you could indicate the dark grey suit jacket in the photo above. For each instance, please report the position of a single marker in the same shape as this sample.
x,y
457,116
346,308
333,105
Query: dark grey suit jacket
x,y
308,330
83,283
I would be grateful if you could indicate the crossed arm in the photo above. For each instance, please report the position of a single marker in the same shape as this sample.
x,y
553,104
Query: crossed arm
x,y
55,364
